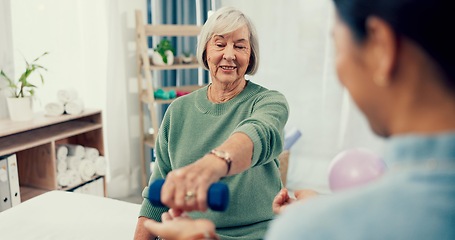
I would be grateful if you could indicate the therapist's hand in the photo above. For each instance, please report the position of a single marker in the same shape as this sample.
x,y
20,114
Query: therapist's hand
x,y
304,194
185,189
177,225
282,199
172,214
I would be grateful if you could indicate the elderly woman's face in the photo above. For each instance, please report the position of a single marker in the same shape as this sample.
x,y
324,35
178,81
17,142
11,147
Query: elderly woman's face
x,y
356,73
228,55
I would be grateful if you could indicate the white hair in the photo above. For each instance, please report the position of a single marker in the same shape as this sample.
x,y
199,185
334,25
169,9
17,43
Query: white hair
x,y
227,20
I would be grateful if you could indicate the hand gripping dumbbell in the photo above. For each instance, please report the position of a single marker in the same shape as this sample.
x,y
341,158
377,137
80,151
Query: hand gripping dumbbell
x,y
217,196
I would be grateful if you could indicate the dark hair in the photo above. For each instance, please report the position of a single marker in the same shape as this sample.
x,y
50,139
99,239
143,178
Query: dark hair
x,y
428,23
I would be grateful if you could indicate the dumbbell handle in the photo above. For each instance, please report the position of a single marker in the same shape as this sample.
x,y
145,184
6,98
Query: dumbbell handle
x,y
217,195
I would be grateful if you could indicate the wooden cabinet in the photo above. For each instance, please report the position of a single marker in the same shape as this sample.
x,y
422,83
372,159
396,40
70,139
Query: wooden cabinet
x,y
34,143
145,69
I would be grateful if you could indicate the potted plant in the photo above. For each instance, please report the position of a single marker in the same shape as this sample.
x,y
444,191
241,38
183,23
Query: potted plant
x,y
163,53
187,57
20,101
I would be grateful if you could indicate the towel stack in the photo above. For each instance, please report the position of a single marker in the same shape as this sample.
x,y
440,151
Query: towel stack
x,y
76,164
68,103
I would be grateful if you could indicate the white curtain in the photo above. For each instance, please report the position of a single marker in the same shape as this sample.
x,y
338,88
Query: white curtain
x,y
122,101
6,53
297,59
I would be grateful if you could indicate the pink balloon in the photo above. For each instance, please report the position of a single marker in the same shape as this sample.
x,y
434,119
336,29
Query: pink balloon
x,y
354,167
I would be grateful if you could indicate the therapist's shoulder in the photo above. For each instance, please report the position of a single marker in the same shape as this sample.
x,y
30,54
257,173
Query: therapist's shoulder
x,y
394,207
323,217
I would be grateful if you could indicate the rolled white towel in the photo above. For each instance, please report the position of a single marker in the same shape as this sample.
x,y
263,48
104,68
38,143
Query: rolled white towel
x,y
91,153
66,95
61,152
74,107
73,162
86,169
54,109
76,150
75,177
100,166
64,179
62,166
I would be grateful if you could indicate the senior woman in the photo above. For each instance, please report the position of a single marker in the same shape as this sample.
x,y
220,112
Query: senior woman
x,y
229,131
397,60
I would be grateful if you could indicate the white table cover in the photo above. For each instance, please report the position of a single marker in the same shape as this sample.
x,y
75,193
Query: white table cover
x,y
65,215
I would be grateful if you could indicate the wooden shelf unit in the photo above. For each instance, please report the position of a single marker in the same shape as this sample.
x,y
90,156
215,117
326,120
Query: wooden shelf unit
x,y
145,96
144,72
34,143
175,66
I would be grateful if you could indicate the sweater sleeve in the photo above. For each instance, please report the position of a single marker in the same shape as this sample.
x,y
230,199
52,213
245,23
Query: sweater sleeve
x,y
265,126
161,168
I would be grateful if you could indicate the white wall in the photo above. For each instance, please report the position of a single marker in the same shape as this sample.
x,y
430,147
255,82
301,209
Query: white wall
x,y
297,59
90,45
75,34
122,100
6,53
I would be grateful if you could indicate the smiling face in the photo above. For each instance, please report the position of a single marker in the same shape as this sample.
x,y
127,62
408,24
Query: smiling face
x,y
228,56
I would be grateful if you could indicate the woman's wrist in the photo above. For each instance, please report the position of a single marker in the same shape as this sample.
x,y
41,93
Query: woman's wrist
x,y
224,156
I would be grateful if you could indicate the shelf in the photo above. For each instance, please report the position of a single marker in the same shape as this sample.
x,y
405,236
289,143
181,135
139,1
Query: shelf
x,y
178,65
41,136
8,127
30,192
145,70
149,140
34,143
190,88
175,66
171,30
95,177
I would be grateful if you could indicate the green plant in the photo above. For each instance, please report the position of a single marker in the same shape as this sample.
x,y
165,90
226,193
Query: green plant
x,y
23,88
186,53
164,46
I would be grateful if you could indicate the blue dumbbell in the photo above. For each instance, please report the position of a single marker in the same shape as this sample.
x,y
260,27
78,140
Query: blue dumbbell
x,y
217,197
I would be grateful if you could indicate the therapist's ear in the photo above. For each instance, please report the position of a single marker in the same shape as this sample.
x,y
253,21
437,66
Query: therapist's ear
x,y
382,45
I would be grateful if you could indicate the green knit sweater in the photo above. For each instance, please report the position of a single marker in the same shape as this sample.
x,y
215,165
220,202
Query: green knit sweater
x,y
193,125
